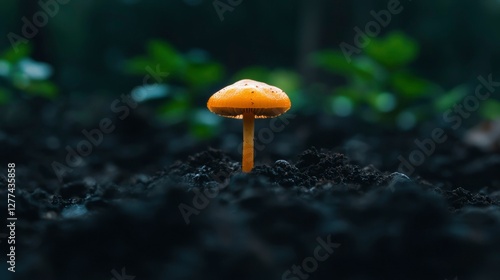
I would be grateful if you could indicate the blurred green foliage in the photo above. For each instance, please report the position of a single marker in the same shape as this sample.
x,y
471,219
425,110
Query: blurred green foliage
x,y
194,70
491,110
88,44
22,75
186,79
192,78
381,86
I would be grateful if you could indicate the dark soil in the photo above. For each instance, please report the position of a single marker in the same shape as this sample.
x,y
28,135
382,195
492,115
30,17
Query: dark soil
x,y
201,218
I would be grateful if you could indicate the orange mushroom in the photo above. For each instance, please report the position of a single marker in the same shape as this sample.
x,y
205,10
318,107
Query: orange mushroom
x,y
249,99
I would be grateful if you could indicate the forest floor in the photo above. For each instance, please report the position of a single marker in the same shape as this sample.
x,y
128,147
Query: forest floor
x,y
146,205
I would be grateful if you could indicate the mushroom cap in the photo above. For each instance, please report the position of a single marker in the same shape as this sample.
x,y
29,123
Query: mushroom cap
x,y
264,100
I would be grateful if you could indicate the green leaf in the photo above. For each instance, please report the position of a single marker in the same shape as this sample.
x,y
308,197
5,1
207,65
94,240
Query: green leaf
x,y
350,92
286,80
203,131
14,55
335,62
166,56
204,74
138,65
175,110
161,56
386,102
289,82
395,50
42,88
490,109
409,85
446,101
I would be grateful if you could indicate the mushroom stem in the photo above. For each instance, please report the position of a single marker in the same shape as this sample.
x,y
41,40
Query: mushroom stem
x,y
248,130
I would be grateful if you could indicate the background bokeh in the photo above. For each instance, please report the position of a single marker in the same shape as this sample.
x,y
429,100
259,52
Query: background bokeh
x,y
89,53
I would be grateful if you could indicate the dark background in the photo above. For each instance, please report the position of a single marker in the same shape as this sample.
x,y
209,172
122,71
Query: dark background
x,y
88,40
96,51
